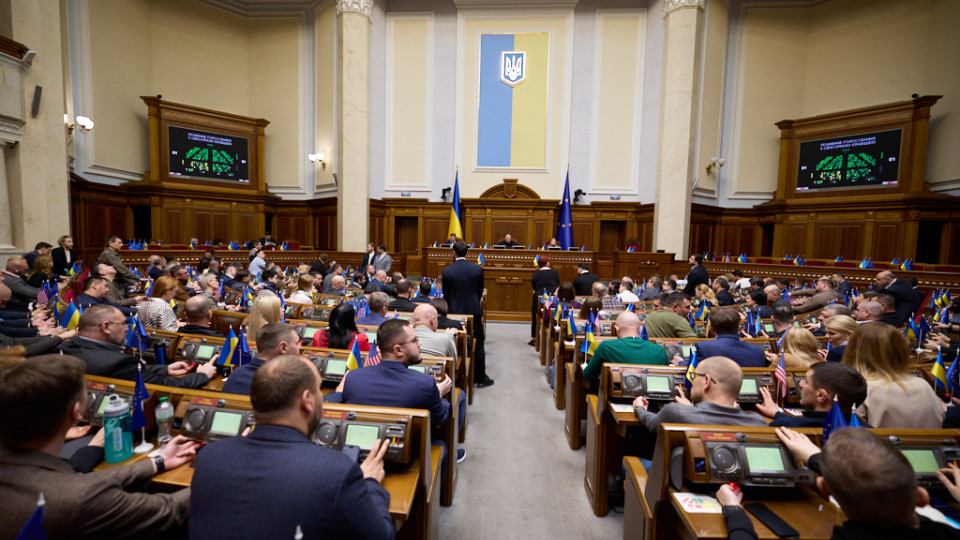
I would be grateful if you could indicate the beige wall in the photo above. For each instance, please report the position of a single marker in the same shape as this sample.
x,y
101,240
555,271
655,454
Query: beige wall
x,y
275,87
800,62
409,101
617,98
192,53
324,132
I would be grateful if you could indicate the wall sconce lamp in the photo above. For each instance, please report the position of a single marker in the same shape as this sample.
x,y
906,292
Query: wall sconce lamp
x,y
82,124
318,157
715,163
444,192
577,194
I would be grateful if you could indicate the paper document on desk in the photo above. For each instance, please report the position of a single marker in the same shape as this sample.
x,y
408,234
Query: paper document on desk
x,y
696,503
621,407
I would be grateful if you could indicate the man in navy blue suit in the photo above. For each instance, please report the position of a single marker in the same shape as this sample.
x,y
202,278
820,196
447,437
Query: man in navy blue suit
x,y
726,324
462,289
275,479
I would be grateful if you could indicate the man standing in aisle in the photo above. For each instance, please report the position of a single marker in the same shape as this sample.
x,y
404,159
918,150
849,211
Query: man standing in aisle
x,y
462,289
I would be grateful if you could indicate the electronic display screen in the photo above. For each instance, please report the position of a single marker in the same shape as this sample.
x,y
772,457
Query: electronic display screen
x,y
768,328
851,161
308,332
749,386
657,383
421,369
764,459
362,436
336,367
371,336
205,352
922,461
687,351
226,423
212,156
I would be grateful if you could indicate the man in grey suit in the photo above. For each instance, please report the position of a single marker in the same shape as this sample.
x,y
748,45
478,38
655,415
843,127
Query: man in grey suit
x,y
382,260
23,293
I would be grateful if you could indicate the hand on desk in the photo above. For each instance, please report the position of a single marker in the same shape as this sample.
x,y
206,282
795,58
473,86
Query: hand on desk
x,y
729,495
208,369
372,467
98,439
950,477
178,451
640,402
800,445
178,368
768,407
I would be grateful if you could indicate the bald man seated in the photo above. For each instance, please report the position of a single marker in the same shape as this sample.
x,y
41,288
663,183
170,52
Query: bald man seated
x,y
868,312
199,314
628,348
713,399
425,324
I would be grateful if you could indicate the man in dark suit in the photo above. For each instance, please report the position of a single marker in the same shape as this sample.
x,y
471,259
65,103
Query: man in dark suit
x,y
889,306
111,255
583,284
102,333
697,275
843,286
402,301
368,256
902,293
199,315
726,324
63,256
722,287
276,481
507,242
424,297
462,289
42,248
391,384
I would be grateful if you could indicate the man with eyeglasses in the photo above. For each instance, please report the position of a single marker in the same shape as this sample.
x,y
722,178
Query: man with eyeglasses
x,y
391,384
713,399
101,335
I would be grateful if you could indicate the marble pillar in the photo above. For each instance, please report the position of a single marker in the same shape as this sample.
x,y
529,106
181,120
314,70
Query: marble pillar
x,y
353,122
678,121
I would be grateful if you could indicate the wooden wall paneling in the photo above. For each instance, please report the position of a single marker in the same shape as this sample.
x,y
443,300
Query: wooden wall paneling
x,y
221,226
746,243
827,241
247,227
888,244
515,227
583,234
851,241
435,230
474,231
173,231
794,238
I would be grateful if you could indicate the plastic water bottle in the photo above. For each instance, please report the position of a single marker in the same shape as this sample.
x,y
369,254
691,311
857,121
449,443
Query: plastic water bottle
x,y
164,421
118,440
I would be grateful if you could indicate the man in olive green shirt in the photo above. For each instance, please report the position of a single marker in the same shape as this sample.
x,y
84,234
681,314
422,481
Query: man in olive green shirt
x,y
671,321
628,348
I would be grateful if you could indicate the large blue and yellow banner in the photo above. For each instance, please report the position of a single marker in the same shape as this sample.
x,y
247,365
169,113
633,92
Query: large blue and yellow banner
x,y
512,123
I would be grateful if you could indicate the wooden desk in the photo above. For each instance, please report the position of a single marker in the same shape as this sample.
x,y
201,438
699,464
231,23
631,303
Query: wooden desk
x,y
507,274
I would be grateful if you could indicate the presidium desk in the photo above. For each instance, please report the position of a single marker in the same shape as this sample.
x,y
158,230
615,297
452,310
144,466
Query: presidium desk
x,y
507,272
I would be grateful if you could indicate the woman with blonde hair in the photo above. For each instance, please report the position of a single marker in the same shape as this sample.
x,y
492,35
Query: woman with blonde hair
x,y
895,397
302,294
155,312
705,293
799,348
839,328
265,310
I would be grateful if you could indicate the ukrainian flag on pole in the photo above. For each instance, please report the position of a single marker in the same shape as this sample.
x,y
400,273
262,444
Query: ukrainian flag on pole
x,y
512,119
456,224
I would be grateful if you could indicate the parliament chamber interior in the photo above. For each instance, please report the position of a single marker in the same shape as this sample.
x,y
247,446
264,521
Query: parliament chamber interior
x,y
648,269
